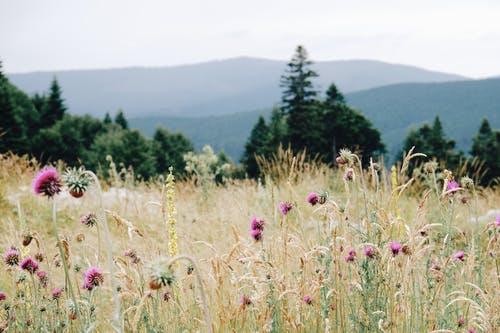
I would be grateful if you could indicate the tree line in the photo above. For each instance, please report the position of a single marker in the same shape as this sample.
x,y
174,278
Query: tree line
x,y
40,126
322,126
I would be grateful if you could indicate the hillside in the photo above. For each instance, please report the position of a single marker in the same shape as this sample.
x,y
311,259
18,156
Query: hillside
x,y
393,110
211,88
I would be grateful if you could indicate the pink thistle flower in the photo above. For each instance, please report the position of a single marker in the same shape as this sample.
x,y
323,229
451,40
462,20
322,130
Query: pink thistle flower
x,y
42,276
312,198
257,224
461,321
498,220
29,265
459,255
3,296
245,300
11,257
452,187
56,293
395,248
89,219
307,299
351,255
369,252
47,182
471,330
93,278
257,234
285,207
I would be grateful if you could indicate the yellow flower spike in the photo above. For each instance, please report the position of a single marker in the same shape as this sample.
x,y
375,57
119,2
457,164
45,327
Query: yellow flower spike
x,y
394,177
172,232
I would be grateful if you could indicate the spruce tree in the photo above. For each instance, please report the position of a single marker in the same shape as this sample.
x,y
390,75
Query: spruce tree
x,y
256,145
169,149
277,130
486,147
54,107
299,103
107,119
121,120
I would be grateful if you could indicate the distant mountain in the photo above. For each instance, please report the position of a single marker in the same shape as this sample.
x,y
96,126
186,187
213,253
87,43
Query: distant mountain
x,y
211,88
393,109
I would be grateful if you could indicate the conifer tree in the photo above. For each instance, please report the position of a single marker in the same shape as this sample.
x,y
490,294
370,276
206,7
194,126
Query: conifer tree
x,y
107,119
256,145
299,103
169,149
486,147
54,107
277,130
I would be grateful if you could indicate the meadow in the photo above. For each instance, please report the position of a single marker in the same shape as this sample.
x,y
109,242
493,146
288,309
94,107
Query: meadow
x,y
306,249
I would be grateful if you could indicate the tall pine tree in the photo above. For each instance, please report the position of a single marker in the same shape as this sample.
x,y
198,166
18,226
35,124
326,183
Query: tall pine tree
x,y
486,147
257,145
299,103
54,107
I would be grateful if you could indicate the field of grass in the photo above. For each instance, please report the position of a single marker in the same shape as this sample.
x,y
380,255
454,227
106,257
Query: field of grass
x,y
335,266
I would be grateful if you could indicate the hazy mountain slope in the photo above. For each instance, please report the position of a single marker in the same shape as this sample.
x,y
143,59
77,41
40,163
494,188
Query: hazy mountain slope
x,y
393,110
211,88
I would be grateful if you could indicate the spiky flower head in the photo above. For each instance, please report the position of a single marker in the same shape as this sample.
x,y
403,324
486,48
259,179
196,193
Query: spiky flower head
x,y
349,175
497,221
256,234
369,252
395,248
257,224
30,265
77,181
285,207
467,182
459,255
2,296
56,293
307,299
47,182
161,273
430,167
89,219
12,257
452,187
93,278
312,198
345,157
351,255
44,279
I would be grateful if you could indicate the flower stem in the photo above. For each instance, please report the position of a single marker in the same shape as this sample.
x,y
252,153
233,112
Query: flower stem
x,y
117,317
63,257
202,290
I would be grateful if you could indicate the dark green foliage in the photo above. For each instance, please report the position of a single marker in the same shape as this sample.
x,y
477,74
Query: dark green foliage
x,y
486,147
121,120
127,147
433,142
54,107
299,103
168,150
257,145
67,140
277,130
107,119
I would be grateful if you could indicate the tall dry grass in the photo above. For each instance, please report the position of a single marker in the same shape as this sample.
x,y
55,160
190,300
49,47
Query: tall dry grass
x,y
309,272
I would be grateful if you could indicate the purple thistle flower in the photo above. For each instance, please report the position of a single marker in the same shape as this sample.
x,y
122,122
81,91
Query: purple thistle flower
x,y
89,219
56,293
461,321
257,234
312,198
307,299
93,278
257,224
498,220
351,255
245,300
29,265
285,207
452,187
459,255
471,330
395,248
11,257
47,182
369,252
42,276
2,296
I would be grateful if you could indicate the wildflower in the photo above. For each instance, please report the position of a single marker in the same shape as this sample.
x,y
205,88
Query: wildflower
x,y
471,330
461,321
285,207
93,278
56,294
312,198
172,221
27,238
345,157
257,234
161,273
42,276
189,269
369,252
395,248
459,255
11,257
245,300
132,254
166,296
467,182
307,299
498,220
77,181
406,250
452,187
340,161
89,219
47,182
349,175
39,256
430,166
29,265
257,224
351,255
2,296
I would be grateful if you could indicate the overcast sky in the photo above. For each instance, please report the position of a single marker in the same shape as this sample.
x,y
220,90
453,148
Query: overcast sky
x,y
457,36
